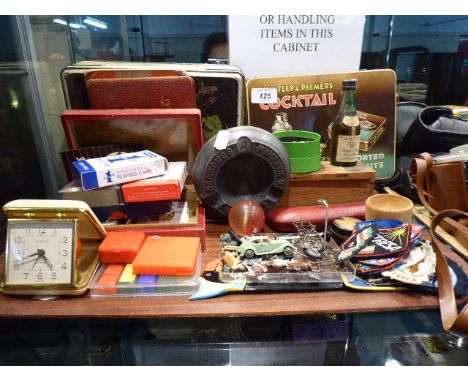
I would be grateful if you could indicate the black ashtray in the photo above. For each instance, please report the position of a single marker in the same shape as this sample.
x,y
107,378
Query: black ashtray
x,y
241,163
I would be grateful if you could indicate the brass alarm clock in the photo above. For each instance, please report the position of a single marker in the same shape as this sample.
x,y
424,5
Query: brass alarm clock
x,y
51,247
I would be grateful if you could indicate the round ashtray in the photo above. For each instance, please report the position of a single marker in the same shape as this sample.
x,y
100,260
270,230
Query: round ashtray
x,y
241,163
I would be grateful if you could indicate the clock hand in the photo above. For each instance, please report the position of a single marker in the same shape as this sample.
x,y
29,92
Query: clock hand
x,y
41,255
29,261
39,252
37,259
49,264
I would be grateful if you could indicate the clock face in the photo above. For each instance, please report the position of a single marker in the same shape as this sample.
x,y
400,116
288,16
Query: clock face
x,y
39,252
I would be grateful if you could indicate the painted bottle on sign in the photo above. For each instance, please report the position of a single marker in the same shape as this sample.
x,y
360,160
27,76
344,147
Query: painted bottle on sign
x,y
345,131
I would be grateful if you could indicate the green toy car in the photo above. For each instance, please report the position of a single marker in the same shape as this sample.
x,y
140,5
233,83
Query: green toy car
x,y
265,247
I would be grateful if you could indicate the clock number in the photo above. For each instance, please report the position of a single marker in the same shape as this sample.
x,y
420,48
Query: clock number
x,y
16,266
26,275
19,239
64,252
39,276
53,276
64,266
65,240
42,230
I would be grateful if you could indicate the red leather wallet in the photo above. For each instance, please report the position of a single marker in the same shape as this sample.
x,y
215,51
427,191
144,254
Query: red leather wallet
x,y
168,92
282,219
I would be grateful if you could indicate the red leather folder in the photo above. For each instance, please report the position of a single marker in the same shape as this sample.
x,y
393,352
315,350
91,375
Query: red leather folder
x,y
167,92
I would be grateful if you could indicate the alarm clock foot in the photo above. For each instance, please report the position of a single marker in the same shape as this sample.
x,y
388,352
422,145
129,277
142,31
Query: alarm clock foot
x,y
44,298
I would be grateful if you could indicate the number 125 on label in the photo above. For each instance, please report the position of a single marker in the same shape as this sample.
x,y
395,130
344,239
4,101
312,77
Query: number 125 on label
x,y
264,95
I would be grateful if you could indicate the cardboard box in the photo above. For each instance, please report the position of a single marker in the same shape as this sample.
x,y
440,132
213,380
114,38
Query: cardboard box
x,y
101,172
100,197
165,187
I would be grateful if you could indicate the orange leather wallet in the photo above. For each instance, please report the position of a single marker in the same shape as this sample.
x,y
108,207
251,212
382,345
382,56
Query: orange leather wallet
x,y
120,247
167,256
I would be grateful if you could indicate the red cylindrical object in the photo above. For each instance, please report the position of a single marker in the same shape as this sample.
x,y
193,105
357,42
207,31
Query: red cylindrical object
x,y
282,219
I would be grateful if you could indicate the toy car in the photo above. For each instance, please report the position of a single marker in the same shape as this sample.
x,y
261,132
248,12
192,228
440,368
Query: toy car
x,y
264,246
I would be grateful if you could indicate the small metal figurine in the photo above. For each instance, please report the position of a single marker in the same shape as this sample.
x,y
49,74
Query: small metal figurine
x,y
309,240
312,243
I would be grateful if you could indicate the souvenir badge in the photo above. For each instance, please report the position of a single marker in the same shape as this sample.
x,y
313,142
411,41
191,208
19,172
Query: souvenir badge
x,y
367,269
379,263
356,243
416,233
386,242
384,223
419,267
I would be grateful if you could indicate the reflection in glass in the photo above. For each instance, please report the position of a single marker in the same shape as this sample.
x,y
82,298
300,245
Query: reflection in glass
x,y
429,54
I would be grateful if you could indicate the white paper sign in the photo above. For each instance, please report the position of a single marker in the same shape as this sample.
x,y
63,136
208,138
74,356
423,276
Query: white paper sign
x,y
264,95
278,45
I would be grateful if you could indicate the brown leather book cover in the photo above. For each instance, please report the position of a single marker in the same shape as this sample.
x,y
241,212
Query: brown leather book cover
x,y
168,92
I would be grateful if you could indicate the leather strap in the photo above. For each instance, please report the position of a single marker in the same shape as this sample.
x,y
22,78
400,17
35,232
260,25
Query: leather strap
x,y
419,169
451,319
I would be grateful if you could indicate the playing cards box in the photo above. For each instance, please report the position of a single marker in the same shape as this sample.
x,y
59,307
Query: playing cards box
x,y
165,187
116,169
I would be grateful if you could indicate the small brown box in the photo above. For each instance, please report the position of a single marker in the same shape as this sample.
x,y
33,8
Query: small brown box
x,y
335,184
